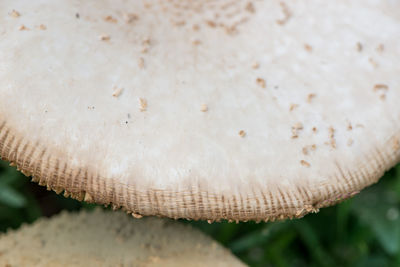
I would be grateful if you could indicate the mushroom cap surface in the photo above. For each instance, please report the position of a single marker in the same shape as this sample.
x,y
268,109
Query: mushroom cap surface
x,y
104,238
238,110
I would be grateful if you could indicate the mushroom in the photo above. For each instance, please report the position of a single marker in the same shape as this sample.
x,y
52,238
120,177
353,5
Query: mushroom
x,y
154,150
101,238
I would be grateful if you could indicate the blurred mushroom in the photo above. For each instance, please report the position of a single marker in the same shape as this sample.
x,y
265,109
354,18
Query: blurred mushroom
x,y
101,238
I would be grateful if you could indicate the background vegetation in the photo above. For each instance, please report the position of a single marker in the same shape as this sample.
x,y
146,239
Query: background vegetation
x,y
363,231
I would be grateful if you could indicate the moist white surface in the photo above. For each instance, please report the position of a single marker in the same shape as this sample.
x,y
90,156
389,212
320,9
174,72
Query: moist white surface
x,y
118,87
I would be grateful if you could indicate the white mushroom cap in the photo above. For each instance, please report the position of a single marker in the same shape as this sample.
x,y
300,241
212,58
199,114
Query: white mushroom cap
x,y
241,110
102,238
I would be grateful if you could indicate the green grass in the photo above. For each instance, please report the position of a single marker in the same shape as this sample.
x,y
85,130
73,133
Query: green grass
x,y
363,231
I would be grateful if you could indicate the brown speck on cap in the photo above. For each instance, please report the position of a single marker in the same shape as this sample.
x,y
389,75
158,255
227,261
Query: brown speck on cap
x,y
314,129
117,91
373,62
308,47
332,140
305,163
23,28
196,42
381,86
313,147
306,149
179,23
286,14
211,23
204,108
195,27
42,27
295,129
255,65
110,19
146,41
250,7
350,142
143,104
359,47
349,126
261,82
293,106
105,37
130,17
141,62
310,97
380,48
242,133
15,14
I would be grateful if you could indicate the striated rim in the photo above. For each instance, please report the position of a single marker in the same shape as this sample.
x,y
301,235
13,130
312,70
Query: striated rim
x,y
86,184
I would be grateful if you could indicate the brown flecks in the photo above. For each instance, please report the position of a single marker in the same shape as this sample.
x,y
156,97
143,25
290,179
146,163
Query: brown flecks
x,y
308,47
350,142
146,42
359,47
295,129
314,129
105,37
286,14
396,144
91,107
196,42
250,7
42,27
141,63
383,87
204,108
23,28
373,62
293,107
211,23
307,149
117,91
196,27
130,17
305,163
255,65
261,82
380,48
242,133
332,140
110,19
230,30
143,104
15,14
